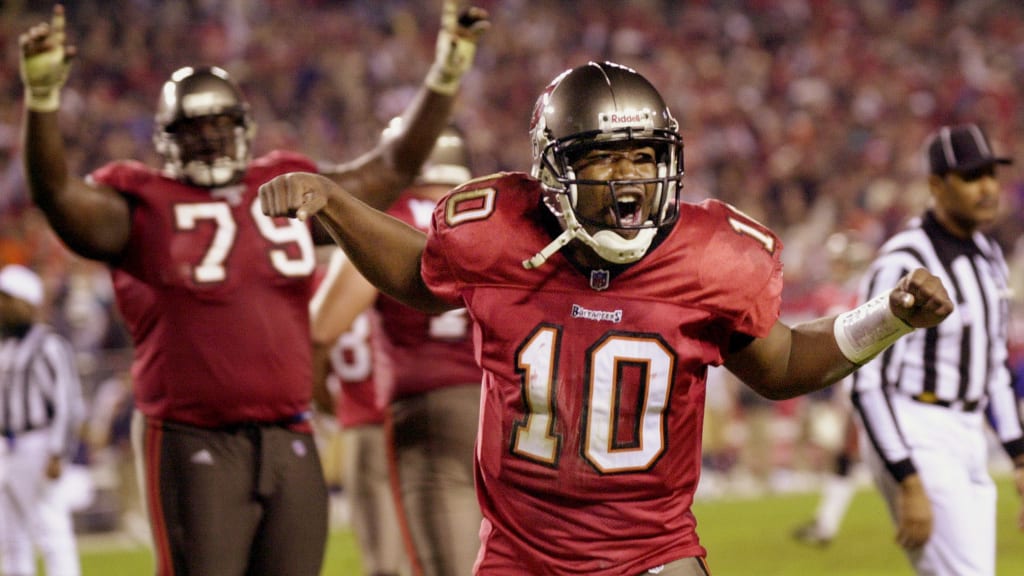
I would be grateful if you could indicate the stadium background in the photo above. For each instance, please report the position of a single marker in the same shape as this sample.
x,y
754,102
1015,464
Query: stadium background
x,y
807,114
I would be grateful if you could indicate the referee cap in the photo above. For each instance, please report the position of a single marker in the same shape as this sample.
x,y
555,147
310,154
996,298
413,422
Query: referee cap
x,y
19,282
960,149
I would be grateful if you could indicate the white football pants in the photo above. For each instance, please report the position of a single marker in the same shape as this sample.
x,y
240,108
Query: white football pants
x,y
34,513
950,452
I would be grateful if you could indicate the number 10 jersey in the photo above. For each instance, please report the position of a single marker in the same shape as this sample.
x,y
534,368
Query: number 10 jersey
x,y
589,450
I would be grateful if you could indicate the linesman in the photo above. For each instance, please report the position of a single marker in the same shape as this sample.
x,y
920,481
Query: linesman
x,y
40,409
923,403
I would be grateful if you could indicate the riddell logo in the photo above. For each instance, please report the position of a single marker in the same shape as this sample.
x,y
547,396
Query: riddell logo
x,y
626,118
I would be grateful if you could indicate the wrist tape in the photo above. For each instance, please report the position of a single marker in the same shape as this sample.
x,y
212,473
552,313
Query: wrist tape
x,y
43,76
868,329
39,101
453,58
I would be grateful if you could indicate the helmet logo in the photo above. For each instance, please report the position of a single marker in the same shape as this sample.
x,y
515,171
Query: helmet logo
x,y
642,119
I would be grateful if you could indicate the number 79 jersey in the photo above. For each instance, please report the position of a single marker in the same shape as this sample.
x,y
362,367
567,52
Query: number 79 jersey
x,y
591,421
216,296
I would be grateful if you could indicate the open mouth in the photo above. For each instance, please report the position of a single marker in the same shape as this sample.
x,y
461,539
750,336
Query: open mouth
x,y
629,206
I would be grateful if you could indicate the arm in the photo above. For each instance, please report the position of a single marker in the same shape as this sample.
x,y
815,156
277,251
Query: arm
x,y
93,221
342,296
789,362
378,176
385,250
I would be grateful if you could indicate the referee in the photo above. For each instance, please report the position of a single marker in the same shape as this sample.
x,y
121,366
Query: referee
x,y
922,404
40,405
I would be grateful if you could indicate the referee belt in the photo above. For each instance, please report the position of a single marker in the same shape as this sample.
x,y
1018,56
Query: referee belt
x,y
961,405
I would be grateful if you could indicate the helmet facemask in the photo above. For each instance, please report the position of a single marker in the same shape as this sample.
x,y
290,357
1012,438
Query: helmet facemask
x,y
203,128
606,107
627,219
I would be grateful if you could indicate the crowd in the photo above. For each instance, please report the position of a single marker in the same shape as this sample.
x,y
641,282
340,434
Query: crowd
x,y
806,114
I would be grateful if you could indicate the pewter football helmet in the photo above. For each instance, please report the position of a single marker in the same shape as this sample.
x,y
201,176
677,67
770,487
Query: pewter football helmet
x,y
204,156
588,107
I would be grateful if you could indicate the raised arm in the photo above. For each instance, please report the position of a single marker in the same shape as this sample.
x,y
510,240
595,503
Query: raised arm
x,y
93,221
341,297
810,356
385,250
378,176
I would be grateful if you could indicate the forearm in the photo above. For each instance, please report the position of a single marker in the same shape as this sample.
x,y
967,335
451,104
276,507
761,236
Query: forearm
x,y
424,120
379,176
46,170
339,300
385,250
322,398
792,361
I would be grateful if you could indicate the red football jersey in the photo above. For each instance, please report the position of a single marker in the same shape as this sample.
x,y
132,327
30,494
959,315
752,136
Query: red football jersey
x,y
216,297
351,374
589,449
418,352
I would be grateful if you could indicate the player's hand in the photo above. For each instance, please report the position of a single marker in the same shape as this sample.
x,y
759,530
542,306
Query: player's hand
x,y
461,30
295,195
920,299
54,467
45,62
913,514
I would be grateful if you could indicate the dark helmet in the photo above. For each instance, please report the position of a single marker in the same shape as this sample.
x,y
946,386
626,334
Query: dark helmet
x,y
592,106
193,93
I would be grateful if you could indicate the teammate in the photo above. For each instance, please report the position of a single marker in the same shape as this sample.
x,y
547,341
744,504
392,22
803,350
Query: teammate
x,y
343,380
41,407
216,298
599,300
428,380
922,403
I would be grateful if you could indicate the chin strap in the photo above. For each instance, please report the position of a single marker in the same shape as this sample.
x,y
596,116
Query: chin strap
x,y
548,251
572,229
606,244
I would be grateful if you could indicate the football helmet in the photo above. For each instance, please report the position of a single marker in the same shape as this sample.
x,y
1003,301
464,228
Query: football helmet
x,y
203,129
590,107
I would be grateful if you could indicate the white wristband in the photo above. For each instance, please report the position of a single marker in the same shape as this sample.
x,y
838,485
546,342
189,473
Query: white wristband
x,y
868,329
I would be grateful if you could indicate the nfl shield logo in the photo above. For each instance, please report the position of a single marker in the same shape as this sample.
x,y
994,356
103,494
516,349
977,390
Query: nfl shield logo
x,y
599,279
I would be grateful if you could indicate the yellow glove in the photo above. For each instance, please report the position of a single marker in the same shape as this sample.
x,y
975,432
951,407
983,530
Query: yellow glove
x,y
456,45
44,63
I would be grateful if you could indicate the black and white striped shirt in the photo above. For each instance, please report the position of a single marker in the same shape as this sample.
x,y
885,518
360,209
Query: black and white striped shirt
x,y
39,387
960,364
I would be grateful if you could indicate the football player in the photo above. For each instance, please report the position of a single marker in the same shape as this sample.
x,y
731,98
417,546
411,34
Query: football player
x,y
599,300
215,295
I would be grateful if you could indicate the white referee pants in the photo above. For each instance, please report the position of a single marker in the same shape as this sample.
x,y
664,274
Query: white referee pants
x,y
34,512
950,452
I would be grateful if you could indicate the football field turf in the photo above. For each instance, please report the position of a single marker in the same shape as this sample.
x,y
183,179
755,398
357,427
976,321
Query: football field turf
x,y
744,537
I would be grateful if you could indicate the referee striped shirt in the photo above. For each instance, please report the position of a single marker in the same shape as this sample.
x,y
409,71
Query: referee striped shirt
x,y
961,364
39,387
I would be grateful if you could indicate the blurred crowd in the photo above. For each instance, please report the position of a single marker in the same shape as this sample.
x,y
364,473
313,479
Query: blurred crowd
x,y
806,114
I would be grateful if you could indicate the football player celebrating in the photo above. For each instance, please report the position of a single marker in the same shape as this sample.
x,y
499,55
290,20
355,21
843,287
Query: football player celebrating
x,y
215,295
599,300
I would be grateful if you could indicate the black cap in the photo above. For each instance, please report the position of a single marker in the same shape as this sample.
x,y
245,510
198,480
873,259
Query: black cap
x,y
960,149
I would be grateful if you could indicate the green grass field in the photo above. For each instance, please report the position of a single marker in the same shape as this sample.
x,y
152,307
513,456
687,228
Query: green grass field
x,y
743,538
